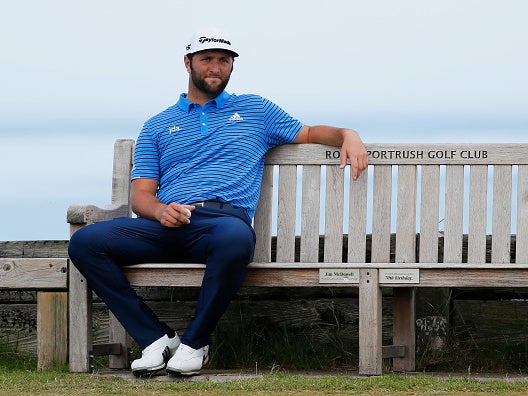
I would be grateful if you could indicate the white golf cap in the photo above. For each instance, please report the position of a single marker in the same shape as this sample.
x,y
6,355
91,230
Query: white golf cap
x,y
207,39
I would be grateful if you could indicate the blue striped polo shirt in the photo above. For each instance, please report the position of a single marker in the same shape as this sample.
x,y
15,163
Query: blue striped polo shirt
x,y
215,152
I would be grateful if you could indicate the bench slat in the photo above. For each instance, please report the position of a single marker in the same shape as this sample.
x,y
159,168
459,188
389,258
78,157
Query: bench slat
x,y
429,212
381,213
522,215
406,214
333,247
469,275
337,265
501,222
122,166
478,200
357,223
310,213
263,218
286,213
33,273
453,223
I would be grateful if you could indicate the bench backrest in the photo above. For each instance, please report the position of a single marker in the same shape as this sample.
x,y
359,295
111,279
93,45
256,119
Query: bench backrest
x,y
443,192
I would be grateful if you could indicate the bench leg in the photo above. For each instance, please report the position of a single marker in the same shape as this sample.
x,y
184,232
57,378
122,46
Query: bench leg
x,y
403,331
118,335
370,323
52,329
80,322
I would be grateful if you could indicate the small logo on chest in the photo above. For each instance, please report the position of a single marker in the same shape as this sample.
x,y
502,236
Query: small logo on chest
x,y
236,117
174,129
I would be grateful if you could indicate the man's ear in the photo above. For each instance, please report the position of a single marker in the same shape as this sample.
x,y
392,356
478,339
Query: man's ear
x,y
187,63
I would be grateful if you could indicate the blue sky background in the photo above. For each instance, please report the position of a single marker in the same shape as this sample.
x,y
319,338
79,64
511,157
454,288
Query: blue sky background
x,y
76,75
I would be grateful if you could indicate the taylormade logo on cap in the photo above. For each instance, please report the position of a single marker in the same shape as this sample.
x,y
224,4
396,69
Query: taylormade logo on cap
x,y
213,40
209,39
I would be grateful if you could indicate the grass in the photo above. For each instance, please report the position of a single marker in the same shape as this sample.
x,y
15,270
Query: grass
x,y
18,376
60,382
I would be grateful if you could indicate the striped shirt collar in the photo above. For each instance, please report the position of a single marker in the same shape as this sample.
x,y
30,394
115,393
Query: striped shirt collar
x,y
186,105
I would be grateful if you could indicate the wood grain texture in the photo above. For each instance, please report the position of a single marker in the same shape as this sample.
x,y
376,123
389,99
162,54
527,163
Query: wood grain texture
x,y
33,273
405,154
52,329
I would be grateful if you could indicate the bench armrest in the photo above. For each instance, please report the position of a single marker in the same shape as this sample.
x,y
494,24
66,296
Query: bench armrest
x,y
88,214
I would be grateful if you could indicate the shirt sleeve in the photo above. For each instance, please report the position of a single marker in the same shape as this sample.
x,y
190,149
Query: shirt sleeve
x,y
281,128
146,156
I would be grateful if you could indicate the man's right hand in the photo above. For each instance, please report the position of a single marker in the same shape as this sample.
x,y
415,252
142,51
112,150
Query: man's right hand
x,y
175,215
146,204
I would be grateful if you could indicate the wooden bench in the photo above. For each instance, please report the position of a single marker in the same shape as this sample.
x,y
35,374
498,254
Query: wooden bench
x,y
49,276
430,190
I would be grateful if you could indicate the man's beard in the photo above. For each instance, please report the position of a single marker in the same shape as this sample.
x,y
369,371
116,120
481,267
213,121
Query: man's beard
x,y
203,86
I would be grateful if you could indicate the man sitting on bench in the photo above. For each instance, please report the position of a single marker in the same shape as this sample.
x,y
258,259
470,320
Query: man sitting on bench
x,y
195,186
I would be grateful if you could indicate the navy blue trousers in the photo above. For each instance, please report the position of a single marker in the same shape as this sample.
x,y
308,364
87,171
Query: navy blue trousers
x,y
223,239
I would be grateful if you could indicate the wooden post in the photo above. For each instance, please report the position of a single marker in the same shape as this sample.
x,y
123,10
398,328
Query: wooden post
x,y
52,329
404,307
117,334
80,322
370,323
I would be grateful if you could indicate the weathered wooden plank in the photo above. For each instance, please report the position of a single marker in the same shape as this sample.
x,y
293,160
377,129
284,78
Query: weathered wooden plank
x,y
88,214
286,213
309,277
522,215
263,217
34,249
381,216
478,190
454,193
52,329
34,273
429,212
333,246
288,265
122,168
501,223
469,277
370,319
80,322
357,219
405,154
310,213
277,277
404,299
406,215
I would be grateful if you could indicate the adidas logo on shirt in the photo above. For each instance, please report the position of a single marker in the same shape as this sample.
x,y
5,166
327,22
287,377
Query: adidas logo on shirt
x,y
235,117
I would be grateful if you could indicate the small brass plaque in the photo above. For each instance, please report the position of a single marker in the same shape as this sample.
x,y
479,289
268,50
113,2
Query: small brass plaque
x,y
399,275
339,275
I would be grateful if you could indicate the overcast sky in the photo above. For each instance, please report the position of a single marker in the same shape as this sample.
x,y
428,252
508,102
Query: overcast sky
x,y
123,58
413,67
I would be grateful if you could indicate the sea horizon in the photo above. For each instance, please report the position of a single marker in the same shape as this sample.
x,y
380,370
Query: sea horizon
x,y
51,165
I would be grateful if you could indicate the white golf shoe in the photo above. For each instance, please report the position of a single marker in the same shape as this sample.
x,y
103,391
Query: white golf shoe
x,y
188,361
155,356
